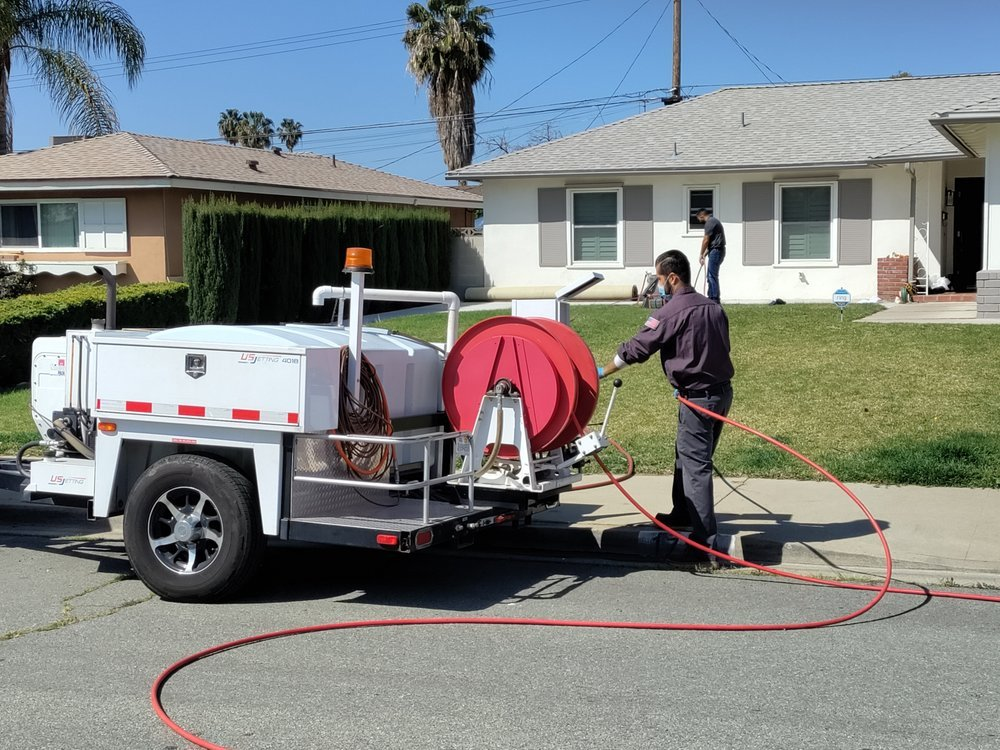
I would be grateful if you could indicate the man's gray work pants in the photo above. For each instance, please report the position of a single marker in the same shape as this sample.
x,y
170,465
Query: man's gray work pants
x,y
697,436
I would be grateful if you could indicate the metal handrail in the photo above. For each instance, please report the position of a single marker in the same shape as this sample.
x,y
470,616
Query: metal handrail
x,y
426,439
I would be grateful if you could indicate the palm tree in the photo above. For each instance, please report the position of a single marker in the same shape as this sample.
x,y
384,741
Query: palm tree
x,y
256,130
230,123
50,37
450,54
290,133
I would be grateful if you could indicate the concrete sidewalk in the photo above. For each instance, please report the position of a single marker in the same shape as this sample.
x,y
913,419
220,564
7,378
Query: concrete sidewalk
x,y
935,535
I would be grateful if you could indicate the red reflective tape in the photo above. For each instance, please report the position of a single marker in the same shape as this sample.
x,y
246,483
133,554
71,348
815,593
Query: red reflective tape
x,y
293,417
250,415
98,403
146,407
190,411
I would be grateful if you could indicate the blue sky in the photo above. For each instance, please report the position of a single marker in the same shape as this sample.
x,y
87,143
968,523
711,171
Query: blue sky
x,y
339,65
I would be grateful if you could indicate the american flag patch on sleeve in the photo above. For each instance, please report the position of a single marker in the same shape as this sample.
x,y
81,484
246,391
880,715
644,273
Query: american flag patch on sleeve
x,y
651,323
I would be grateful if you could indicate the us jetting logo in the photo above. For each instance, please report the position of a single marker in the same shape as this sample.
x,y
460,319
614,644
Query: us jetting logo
x,y
60,481
248,358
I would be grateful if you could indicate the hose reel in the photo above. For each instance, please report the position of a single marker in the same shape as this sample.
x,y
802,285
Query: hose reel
x,y
546,362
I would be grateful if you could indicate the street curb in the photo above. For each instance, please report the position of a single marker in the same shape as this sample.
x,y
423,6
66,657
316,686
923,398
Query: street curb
x,y
653,545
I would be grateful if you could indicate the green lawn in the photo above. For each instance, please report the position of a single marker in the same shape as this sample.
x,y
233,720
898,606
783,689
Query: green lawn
x,y
892,404
888,404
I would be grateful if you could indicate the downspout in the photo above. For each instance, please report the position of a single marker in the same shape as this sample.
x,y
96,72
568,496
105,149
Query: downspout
x,y
913,219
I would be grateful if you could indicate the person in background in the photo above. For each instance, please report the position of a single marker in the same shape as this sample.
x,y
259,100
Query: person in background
x,y
713,250
691,335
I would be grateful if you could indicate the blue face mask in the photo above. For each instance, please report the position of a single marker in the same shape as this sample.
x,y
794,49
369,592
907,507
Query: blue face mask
x,y
661,290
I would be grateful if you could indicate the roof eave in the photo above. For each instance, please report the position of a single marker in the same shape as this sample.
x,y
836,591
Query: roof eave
x,y
146,183
945,123
729,168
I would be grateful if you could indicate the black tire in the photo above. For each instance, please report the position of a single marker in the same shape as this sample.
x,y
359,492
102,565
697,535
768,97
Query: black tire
x,y
192,529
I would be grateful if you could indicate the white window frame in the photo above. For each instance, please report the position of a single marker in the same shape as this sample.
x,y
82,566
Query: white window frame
x,y
686,208
81,247
830,262
619,261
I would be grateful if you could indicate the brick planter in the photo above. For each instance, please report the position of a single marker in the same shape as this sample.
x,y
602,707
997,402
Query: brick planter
x,y
892,275
988,294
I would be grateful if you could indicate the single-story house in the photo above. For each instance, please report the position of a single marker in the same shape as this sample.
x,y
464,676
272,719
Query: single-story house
x,y
115,201
814,183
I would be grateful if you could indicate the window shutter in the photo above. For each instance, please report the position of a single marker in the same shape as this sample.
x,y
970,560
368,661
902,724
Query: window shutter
x,y
758,223
638,210
855,235
552,227
102,224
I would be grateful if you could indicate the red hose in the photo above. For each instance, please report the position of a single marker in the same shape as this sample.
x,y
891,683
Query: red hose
x,y
881,590
629,471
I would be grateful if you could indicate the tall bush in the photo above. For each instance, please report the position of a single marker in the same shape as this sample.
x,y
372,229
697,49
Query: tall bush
x,y
247,263
30,316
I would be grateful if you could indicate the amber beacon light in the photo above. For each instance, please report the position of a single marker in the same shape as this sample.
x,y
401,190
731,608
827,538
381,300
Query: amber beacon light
x,y
358,260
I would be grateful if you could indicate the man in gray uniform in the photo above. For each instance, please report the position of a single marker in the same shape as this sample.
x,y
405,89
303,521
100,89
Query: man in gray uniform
x,y
691,333
713,251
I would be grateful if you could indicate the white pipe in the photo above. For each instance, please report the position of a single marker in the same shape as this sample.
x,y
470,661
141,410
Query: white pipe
x,y
322,293
354,337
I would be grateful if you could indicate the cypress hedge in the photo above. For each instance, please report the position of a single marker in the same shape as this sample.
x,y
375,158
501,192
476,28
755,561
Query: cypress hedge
x,y
248,263
25,318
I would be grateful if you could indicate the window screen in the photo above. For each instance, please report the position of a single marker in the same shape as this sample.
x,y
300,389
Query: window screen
x,y
19,225
805,222
595,227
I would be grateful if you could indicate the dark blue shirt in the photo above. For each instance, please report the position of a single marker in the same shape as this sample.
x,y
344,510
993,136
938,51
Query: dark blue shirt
x,y
691,333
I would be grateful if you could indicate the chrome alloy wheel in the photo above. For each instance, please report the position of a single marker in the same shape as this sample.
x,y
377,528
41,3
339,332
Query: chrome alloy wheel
x,y
185,530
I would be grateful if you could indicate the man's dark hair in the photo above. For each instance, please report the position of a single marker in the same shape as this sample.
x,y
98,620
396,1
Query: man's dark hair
x,y
705,211
674,261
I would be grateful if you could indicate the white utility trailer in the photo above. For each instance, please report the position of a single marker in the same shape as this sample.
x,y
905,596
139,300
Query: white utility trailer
x,y
212,439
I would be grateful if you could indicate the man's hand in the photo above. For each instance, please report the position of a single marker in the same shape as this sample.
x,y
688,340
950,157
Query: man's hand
x,y
701,259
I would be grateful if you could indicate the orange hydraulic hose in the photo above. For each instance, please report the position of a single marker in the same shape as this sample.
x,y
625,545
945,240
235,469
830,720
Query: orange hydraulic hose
x,y
880,591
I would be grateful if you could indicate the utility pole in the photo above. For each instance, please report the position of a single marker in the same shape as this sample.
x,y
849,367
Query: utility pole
x,y
676,93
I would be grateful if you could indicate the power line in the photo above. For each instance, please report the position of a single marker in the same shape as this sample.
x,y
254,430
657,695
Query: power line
x,y
756,61
538,85
634,59
346,35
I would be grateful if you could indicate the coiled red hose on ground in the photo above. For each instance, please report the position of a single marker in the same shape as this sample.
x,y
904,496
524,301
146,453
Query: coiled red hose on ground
x,y
880,591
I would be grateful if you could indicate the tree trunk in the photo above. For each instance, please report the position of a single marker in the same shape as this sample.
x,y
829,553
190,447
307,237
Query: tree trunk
x,y
6,114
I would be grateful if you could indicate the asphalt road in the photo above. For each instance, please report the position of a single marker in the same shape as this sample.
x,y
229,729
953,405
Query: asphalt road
x,y
80,644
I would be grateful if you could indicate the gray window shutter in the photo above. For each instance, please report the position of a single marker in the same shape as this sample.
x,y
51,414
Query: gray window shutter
x,y
638,210
758,223
552,227
854,236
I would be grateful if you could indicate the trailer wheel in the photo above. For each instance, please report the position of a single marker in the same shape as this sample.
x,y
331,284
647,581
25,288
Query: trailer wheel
x,y
192,529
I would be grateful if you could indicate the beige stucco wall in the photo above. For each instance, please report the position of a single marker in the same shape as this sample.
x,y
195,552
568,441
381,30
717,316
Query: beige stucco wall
x,y
154,250
144,255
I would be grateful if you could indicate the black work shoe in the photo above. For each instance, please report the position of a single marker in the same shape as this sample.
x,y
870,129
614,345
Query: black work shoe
x,y
676,522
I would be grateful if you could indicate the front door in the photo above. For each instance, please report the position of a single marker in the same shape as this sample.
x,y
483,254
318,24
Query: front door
x,y
968,229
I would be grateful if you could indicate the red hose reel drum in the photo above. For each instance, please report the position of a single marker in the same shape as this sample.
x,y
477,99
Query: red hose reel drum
x,y
548,364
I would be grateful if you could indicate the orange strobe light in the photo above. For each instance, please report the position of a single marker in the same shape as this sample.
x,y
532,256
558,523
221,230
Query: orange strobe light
x,y
358,260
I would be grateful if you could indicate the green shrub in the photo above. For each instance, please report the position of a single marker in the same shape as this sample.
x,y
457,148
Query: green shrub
x,y
248,263
25,318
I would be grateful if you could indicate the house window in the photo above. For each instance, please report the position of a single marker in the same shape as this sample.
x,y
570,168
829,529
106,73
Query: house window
x,y
63,225
806,230
596,226
696,199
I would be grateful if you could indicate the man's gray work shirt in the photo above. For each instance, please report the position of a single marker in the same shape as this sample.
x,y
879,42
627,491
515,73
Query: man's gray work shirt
x,y
691,333
715,233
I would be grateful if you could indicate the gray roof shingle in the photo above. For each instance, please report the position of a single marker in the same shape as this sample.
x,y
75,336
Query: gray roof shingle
x,y
130,156
764,127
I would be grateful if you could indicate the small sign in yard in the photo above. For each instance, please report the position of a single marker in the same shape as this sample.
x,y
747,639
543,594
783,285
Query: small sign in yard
x,y
841,298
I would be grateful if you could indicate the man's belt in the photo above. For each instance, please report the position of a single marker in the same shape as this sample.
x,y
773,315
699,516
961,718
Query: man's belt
x,y
713,390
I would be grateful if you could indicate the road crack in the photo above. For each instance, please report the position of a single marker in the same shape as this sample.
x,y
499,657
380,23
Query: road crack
x,y
69,617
